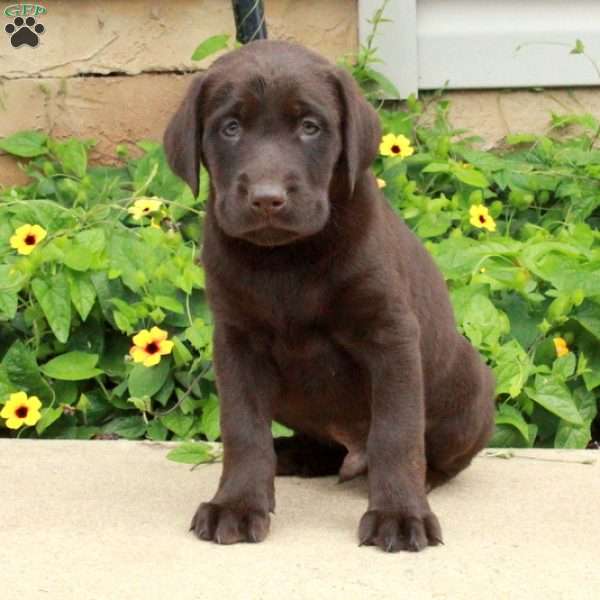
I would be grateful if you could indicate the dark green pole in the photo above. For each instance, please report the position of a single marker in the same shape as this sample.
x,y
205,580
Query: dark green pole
x,y
250,21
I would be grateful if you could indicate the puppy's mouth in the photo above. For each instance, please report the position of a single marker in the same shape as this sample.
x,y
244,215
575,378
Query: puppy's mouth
x,y
270,236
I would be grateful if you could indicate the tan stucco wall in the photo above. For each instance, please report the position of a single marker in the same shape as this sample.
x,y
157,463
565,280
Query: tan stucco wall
x,y
49,87
132,36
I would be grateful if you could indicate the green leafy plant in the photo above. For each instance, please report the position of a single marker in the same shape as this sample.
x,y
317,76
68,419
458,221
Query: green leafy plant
x,y
70,306
515,233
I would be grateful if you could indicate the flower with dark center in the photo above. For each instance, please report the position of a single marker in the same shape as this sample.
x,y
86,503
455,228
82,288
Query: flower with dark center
x,y
395,145
481,218
143,207
149,346
21,410
27,237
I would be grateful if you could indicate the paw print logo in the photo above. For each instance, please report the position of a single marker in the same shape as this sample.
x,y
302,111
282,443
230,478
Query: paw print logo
x,y
24,31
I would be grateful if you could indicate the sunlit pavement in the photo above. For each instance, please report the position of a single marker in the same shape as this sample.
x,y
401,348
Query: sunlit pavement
x,y
109,520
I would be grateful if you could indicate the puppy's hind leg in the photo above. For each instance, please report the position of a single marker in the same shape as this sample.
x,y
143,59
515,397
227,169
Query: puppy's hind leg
x,y
455,438
305,456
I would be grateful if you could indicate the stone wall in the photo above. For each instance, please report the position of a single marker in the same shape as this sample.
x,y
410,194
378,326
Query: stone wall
x,y
114,70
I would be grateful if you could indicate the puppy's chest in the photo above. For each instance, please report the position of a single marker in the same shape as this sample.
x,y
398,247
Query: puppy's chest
x,y
324,391
302,343
288,308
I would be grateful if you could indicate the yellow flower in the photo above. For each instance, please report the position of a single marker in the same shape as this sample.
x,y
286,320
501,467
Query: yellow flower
x,y
395,145
144,206
480,217
380,183
20,410
149,346
560,345
27,237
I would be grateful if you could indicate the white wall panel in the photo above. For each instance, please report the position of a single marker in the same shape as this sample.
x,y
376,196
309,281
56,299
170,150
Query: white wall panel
x,y
475,43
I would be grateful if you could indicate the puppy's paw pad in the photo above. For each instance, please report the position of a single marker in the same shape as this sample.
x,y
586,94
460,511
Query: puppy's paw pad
x,y
229,525
395,530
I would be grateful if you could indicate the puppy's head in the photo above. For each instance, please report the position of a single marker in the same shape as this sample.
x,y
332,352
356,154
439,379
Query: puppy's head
x,y
274,124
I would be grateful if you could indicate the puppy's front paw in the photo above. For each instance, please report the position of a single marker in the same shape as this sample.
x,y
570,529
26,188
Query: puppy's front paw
x,y
229,525
397,530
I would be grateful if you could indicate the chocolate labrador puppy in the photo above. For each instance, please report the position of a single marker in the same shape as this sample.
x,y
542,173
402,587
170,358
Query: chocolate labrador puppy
x,y
330,316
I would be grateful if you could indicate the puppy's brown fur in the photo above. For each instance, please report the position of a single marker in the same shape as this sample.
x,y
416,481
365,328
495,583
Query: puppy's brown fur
x,y
330,316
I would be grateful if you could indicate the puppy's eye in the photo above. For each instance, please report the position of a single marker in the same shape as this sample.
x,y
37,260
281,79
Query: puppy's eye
x,y
231,128
309,128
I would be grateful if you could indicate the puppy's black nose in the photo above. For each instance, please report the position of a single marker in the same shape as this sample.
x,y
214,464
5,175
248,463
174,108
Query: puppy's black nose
x,y
267,198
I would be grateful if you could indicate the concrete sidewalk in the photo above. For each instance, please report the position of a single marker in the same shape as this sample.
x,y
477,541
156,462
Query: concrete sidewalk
x,y
109,520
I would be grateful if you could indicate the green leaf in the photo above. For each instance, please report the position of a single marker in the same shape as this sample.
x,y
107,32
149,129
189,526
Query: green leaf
x,y
6,387
131,428
8,305
25,144
73,156
146,381
386,86
578,436
572,436
199,334
112,360
279,430
164,394
591,349
433,224
72,366
564,366
555,397
65,391
521,138
10,284
471,177
49,416
210,46
482,322
82,291
181,354
23,371
589,316
509,415
192,453
435,167
209,424
83,404
177,422
584,277
123,323
512,369
78,258
579,48
523,319
507,436
53,296
74,432
85,250
156,431
169,303
142,404
50,215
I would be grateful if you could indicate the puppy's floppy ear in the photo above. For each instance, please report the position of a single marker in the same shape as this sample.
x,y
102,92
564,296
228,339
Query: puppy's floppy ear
x,y
360,127
183,136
